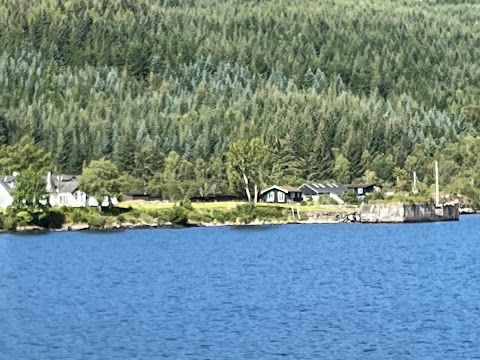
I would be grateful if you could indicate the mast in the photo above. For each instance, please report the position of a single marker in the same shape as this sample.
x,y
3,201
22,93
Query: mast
x,y
415,190
437,191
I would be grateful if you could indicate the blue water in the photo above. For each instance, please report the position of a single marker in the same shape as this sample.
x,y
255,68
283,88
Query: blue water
x,y
344,291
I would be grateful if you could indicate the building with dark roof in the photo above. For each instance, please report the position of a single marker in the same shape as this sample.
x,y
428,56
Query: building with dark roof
x,y
280,194
62,190
313,191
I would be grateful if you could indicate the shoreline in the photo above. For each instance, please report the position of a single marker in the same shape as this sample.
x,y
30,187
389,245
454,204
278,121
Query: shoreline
x,y
143,226
313,218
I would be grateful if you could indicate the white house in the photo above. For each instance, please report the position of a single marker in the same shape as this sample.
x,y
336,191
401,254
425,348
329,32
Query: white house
x,y
62,190
6,191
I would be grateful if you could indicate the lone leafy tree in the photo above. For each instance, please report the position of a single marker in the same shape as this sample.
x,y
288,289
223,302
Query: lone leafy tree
x,y
29,196
101,179
247,164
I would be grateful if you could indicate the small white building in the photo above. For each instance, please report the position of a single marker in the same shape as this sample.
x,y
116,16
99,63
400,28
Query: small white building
x,y
62,190
6,191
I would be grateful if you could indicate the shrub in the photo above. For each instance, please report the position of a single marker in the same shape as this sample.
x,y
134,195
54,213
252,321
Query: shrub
x,y
220,216
53,220
177,216
186,204
326,200
200,217
79,216
9,223
97,221
350,197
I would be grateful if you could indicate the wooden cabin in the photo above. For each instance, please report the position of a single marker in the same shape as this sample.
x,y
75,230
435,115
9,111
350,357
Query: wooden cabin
x,y
280,194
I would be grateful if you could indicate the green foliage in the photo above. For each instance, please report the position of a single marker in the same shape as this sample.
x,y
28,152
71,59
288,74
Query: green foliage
x,y
350,197
248,165
97,221
24,155
30,203
247,213
186,204
101,179
326,200
177,216
164,88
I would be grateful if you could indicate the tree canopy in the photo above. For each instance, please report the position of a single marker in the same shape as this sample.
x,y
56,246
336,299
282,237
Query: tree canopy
x,y
101,179
333,88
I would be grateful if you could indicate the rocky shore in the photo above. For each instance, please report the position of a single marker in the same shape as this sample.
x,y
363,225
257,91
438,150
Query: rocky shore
x,y
312,218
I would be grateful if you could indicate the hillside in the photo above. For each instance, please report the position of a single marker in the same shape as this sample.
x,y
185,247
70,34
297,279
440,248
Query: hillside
x,y
338,89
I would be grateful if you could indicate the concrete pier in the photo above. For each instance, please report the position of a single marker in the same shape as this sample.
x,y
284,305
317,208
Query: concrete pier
x,y
405,213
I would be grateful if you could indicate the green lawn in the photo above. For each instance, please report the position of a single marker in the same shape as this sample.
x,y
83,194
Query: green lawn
x,y
138,204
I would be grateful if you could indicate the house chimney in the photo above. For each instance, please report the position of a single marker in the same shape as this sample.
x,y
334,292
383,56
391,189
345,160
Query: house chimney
x,y
49,182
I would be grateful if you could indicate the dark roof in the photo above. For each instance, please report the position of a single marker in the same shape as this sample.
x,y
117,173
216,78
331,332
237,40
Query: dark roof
x,y
363,186
6,182
284,188
326,187
62,183
58,183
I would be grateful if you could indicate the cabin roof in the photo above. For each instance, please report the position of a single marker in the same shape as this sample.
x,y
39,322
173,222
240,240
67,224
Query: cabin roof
x,y
284,188
325,187
358,186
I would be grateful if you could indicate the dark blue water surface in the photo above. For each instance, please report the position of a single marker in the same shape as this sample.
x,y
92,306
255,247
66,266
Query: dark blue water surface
x,y
343,291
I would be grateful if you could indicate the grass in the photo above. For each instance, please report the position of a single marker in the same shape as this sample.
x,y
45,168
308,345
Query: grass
x,y
227,205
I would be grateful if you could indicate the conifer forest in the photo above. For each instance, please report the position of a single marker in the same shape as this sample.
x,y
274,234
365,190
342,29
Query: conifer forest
x,y
344,90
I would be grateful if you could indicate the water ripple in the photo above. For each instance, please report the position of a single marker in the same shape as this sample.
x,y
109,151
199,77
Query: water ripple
x,y
291,292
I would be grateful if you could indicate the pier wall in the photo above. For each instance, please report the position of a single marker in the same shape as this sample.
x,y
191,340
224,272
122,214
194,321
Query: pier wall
x,y
402,213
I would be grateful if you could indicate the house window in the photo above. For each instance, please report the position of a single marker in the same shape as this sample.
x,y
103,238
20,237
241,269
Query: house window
x,y
271,196
360,191
281,197
63,200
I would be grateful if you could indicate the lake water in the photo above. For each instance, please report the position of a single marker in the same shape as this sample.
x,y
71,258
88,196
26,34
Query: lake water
x,y
343,291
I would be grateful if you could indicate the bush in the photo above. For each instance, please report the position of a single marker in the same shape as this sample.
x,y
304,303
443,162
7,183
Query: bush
x,y
376,195
177,216
220,216
186,204
200,217
97,221
53,220
326,200
9,223
350,197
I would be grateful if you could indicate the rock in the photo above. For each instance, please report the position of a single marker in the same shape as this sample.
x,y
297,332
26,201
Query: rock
x,y
30,228
467,211
79,227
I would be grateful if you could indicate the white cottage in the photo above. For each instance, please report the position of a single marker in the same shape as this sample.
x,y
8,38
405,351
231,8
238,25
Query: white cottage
x,y
6,191
62,190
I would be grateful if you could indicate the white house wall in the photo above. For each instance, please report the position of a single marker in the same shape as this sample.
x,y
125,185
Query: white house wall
x,y
77,199
6,198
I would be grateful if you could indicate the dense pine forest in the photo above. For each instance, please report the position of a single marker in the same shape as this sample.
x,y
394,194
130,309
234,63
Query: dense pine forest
x,y
336,89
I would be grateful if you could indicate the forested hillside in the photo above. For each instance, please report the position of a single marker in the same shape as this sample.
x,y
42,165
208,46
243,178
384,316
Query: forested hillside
x,y
337,89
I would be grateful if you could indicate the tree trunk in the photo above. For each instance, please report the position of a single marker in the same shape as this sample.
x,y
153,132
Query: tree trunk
x,y
247,190
256,194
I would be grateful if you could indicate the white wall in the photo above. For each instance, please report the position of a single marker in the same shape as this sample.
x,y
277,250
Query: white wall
x,y
5,198
77,199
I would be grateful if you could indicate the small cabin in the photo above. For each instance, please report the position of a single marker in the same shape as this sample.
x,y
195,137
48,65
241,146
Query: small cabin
x,y
280,194
361,190
313,191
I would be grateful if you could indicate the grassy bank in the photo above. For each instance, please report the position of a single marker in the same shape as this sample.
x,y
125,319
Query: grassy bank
x,y
228,205
134,213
